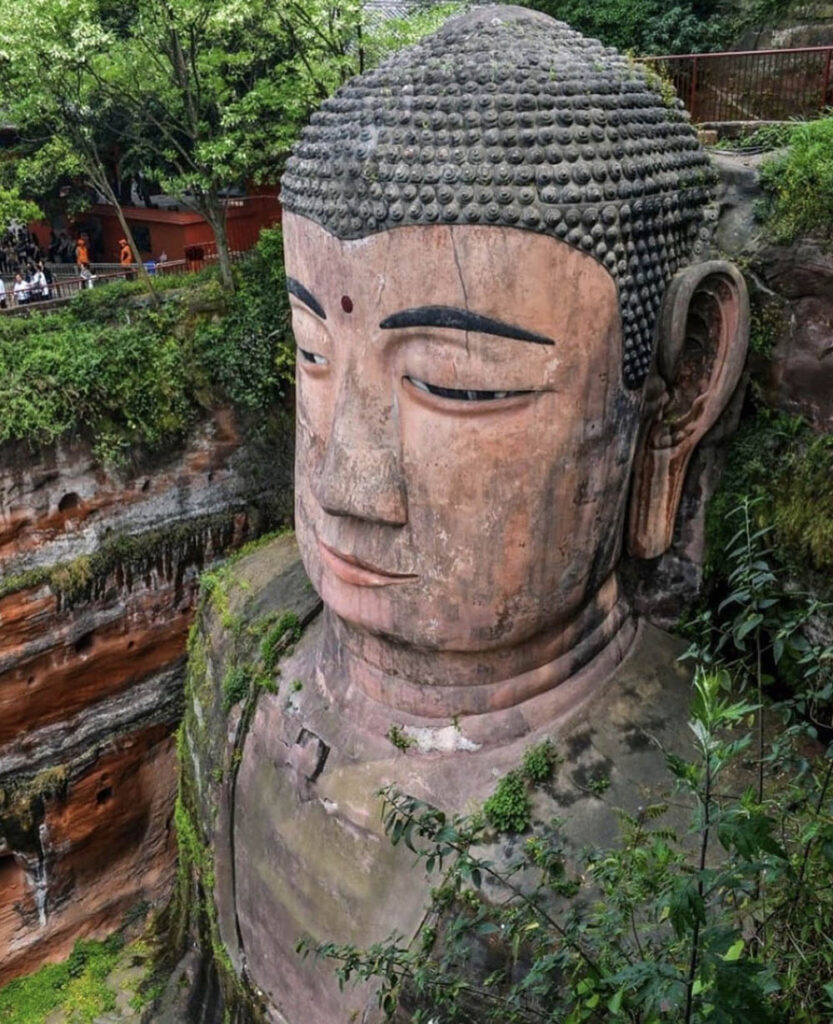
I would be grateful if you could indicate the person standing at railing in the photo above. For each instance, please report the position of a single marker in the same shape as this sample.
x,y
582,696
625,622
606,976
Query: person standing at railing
x,y
21,290
82,252
2,293
126,258
39,287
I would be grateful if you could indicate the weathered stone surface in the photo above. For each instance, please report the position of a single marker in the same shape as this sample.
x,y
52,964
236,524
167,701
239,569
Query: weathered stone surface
x,y
78,657
101,845
298,845
61,503
801,363
796,282
98,577
738,189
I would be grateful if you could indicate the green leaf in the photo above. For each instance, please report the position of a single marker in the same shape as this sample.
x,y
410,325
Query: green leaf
x,y
735,951
614,1004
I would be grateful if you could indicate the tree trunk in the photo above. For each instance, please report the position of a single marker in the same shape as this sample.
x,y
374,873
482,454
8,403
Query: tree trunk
x,y
214,212
103,184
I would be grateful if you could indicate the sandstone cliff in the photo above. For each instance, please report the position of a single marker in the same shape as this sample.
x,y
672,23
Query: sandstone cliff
x,y
98,580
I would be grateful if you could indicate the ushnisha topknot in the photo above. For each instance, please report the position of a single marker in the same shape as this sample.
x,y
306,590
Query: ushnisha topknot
x,y
507,117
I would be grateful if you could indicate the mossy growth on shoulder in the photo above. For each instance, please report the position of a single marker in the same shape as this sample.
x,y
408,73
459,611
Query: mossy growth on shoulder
x,y
509,808
279,638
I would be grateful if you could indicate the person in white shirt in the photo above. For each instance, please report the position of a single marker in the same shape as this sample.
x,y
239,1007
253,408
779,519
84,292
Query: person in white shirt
x,y
39,287
2,293
21,290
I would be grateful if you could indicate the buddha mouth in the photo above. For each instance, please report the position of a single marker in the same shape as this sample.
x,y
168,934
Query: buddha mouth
x,y
353,570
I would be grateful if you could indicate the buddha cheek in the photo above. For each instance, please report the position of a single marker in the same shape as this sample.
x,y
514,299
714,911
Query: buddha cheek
x,y
479,509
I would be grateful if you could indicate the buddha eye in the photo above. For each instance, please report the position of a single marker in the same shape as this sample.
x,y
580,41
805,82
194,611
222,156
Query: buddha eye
x,y
312,357
462,394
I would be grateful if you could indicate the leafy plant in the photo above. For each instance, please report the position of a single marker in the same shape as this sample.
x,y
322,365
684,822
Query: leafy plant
x,y
508,808
727,922
400,739
780,463
539,762
799,183
131,376
235,685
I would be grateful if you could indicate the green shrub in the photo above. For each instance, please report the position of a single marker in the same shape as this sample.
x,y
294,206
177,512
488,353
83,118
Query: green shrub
x,y
285,632
778,462
645,26
508,808
77,986
250,353
111,367
400,739
799,183
235,686
539,762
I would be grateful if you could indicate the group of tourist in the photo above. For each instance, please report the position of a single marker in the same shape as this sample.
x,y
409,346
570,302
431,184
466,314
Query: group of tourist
x,y
19,249
31,284
22,256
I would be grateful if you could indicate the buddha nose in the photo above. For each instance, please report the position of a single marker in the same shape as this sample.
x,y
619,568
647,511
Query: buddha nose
x,y
361,474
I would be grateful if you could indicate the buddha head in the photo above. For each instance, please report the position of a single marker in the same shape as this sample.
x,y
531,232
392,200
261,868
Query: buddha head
x,y
510,341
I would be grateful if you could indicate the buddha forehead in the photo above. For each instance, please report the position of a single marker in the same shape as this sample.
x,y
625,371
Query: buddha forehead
x,y
508,118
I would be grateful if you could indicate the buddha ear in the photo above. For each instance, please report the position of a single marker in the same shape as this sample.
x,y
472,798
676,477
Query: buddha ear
x,y
703,333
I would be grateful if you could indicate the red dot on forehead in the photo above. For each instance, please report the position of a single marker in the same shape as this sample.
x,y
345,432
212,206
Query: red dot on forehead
x,y
346,303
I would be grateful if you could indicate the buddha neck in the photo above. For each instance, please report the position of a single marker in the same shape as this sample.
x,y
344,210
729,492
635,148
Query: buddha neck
x,y
451,685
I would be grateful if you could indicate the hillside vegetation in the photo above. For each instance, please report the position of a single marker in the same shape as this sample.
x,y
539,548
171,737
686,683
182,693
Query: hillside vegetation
x,y
114,369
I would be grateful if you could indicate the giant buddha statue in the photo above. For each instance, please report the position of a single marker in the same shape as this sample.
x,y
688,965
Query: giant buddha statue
x,y
510,342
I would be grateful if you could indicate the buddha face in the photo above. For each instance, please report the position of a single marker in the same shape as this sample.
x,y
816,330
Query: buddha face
x,y
464,439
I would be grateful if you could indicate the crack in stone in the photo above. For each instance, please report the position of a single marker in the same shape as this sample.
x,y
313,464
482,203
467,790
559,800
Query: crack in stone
x,y
462,279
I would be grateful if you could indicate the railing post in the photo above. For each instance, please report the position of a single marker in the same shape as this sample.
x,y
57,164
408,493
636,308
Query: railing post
x,y
826,79
692,96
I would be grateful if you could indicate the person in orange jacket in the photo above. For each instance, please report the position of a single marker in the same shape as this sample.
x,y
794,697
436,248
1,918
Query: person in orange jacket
x,y
126,258
82,252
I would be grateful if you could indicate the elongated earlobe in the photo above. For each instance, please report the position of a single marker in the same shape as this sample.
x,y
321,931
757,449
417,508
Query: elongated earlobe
x,y
703,335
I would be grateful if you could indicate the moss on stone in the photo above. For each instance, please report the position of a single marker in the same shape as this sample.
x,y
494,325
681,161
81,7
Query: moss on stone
x,y
78,986
21,805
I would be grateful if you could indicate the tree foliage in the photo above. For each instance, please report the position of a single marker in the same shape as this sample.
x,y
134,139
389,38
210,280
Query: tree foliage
x,y
799,183
199,95
124,374
657,26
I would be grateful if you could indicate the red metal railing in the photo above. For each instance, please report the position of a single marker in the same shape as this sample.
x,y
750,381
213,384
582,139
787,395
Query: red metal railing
x,y
752,85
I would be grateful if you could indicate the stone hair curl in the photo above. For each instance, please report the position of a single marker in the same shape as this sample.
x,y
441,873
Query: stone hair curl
x,y
507,117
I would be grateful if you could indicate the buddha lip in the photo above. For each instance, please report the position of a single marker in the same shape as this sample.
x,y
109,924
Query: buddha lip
x,y
354,570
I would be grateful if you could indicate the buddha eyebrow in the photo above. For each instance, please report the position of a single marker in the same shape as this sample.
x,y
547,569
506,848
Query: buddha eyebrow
x,y
300,292
461,320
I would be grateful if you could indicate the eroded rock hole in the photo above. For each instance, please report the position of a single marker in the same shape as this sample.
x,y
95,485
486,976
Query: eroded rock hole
x,y
104,794
69,500
83,643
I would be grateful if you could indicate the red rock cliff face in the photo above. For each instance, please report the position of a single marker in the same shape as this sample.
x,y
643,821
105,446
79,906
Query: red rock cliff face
x,y
98,576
